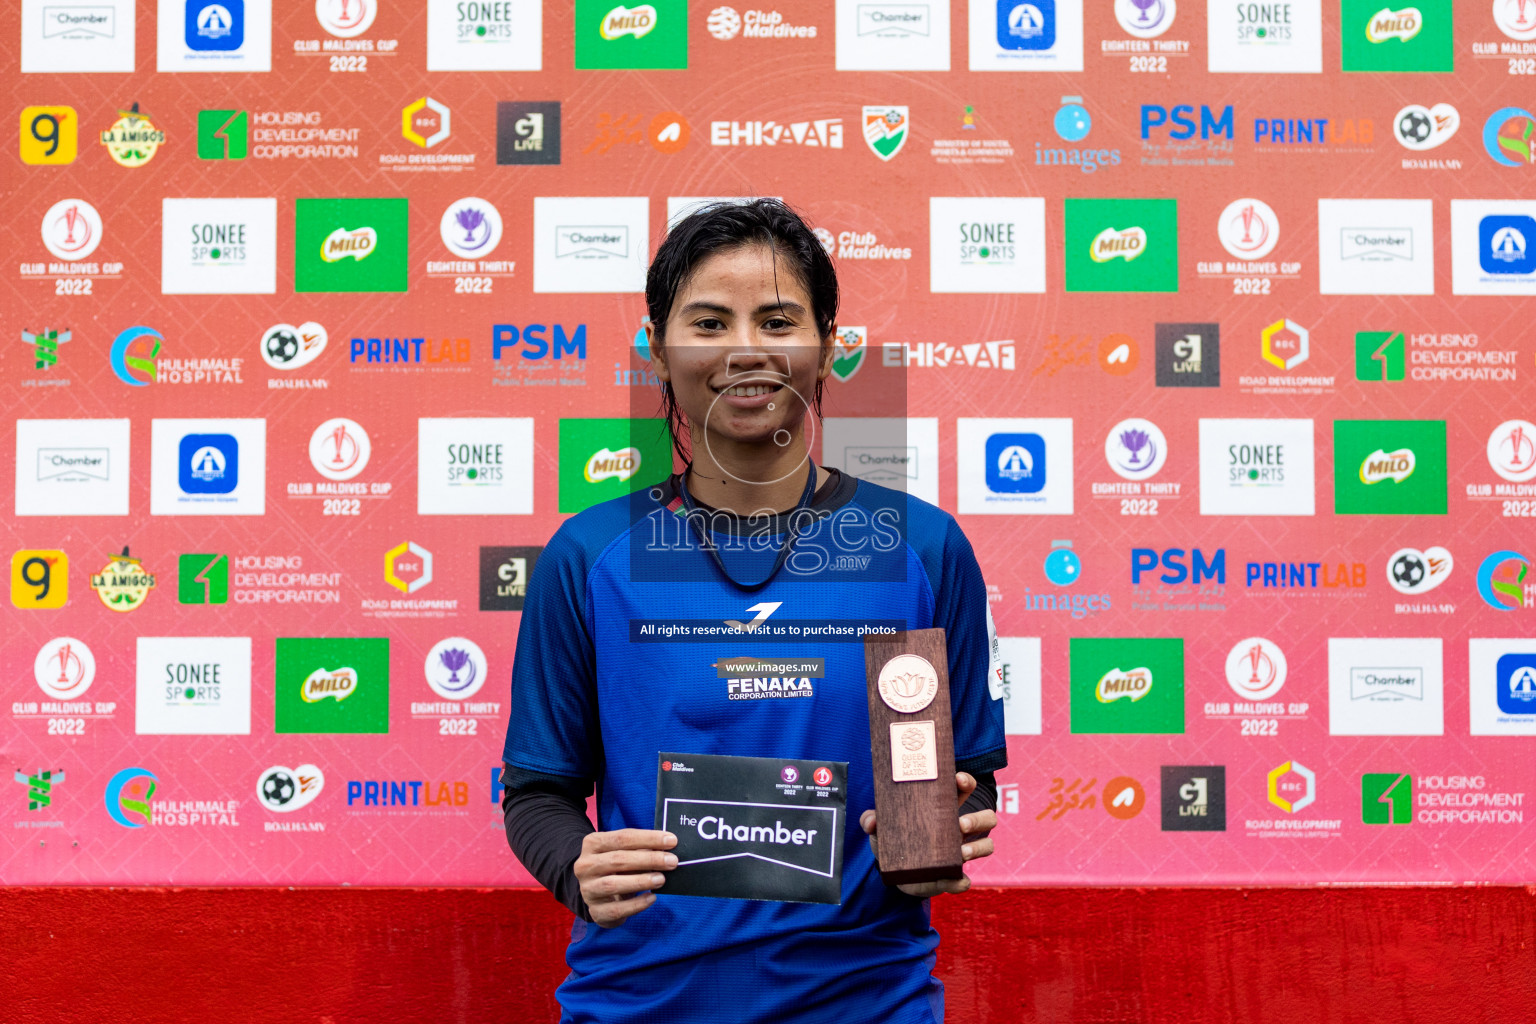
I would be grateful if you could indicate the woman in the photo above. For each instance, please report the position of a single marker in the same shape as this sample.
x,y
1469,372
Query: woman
x,y
742,303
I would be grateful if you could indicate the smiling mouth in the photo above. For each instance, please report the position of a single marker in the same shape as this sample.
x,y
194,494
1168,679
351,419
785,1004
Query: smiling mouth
x,y
749,390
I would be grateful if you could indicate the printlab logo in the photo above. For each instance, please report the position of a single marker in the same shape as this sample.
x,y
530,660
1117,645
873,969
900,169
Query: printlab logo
x,y
64,668
886,130
528,133
1411,571
332,685
1420,128
1512,450
1188,355
39,578
504,575
223,135
215,26
49,135
1248,229
72,229
339,449
1194,798
284,789
1136,449
286,347
1123,685
202,579
1386,798
456,668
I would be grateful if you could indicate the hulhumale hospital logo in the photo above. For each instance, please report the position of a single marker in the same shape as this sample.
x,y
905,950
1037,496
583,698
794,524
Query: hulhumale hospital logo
x,y
1509,136
134,355
130,797
1502,581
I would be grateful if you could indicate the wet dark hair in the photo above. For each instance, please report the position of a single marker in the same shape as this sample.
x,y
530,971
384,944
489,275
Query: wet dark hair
x,y
720,227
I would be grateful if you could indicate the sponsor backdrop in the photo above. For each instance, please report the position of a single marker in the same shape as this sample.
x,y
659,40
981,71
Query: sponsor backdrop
x,y
320,318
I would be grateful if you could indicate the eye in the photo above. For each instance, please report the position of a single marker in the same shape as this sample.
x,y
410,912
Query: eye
x,y
709,323
778,323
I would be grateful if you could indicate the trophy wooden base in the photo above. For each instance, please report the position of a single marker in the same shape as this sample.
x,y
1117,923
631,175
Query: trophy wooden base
x,y
912,749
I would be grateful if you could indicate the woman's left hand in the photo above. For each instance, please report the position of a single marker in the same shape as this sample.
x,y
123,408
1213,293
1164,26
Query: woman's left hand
x,y
972,829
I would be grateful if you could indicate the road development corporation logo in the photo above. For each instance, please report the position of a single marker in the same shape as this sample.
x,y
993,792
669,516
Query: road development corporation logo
x,y
1256,669
1136,449
1421,128
426,122
471,228
1509,136
130,796
1292,786
456,668
885,130
408,567
1411,571
72,229
1285,344
64,668
1248,229
286,347
284,789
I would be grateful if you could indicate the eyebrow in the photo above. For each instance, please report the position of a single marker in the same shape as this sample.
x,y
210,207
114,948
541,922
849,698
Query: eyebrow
x,y
787,306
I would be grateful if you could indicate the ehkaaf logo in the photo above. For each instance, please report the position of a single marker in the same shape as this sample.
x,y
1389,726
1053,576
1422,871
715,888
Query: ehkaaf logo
x,y
1194,798
1184,125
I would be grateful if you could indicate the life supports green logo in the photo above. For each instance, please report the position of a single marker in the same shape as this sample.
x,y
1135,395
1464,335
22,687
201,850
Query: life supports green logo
x,y
1380,355
223,135
607,458
1378,36
1127,685
351,245
611,35
1389,467
332,685
202,579
1386,798
1122,245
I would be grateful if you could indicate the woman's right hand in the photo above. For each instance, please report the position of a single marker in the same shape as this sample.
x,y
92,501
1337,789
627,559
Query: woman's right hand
x,y
618,871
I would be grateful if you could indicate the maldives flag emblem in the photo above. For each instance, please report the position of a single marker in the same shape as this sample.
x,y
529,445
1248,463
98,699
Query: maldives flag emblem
x,y
885,130
848,351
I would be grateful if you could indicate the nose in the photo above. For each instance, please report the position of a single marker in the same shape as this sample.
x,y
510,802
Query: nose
x,y
756,360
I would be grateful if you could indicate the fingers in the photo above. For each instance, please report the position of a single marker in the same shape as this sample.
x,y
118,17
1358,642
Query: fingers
x,y
980,848
867,821
925,890
605,887
591,865
628,839
610,914
979,822
965,785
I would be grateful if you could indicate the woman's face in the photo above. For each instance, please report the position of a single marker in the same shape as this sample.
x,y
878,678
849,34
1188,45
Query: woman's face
x,y
741,349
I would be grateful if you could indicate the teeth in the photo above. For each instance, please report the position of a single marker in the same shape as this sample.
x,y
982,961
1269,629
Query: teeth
x,y
749,390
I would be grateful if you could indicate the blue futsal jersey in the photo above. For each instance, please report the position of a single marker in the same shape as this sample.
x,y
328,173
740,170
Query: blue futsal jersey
x,y
606,677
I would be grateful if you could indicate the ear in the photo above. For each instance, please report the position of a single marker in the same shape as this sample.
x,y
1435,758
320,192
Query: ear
x,y
828,353
658,352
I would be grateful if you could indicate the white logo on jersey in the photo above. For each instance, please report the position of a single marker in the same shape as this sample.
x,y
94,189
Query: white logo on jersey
x,y
763,610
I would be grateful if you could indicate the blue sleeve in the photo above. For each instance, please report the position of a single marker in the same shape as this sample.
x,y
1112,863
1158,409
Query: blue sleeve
x,y
552,727
960,609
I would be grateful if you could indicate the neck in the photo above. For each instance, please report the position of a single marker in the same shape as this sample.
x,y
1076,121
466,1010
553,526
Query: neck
x,y
725,474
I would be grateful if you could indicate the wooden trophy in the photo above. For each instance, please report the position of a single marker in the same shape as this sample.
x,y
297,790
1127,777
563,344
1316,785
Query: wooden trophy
x,y
912,746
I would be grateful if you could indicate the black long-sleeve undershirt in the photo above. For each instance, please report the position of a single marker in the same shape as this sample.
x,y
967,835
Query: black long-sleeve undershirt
x,y
547,820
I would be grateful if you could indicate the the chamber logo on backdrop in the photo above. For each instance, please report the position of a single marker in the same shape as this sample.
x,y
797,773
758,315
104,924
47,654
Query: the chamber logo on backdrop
x,y
72,467
89,37
583,245
331,685
504,576
895,35
1385,687
1375,247
351,245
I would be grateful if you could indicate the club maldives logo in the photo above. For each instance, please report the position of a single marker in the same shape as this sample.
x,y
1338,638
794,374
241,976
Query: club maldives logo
x,y
284,789
1508,137
123,584
130,797
1118,243
610,464
1411,571
1256,669
1512,450
848,347
339,449
64,668
1380,466
471,228
45,346
885,130
1516,18
1501,581
1419,128
349,243
456,668
1136,449
133,139
1248,229
1134,683
286,347
72,229
1388,24
346,18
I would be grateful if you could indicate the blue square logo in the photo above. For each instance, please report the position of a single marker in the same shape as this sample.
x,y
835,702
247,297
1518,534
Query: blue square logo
x,y
1026,26
1516,680
1503,244
215,24
209,464
1015,463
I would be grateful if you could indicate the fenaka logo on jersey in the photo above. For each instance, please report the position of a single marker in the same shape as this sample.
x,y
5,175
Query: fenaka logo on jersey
x,y
344,243
1396,466
1116,243
1135,683
1388,24
607,464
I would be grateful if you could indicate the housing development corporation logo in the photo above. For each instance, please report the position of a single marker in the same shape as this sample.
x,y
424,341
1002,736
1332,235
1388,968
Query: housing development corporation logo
x,y
1386,798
